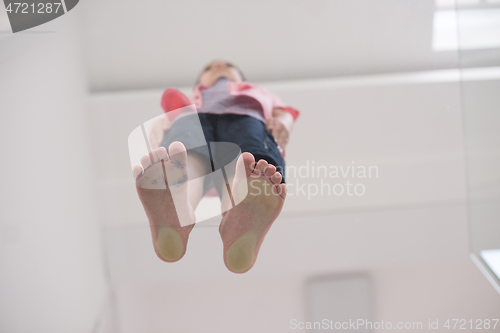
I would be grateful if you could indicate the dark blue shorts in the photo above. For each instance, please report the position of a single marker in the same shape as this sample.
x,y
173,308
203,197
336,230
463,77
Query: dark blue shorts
x,y
248,133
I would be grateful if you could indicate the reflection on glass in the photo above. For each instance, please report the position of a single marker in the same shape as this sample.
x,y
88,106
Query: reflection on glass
x,y
477,36
492,259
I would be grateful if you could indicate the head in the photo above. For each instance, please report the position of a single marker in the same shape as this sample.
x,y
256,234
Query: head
x,y
217,69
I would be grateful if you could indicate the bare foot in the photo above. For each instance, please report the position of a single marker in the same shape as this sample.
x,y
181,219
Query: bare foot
x,y
162,188
244,227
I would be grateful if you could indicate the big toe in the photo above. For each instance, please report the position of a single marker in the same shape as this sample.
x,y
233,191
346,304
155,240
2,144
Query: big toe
x,y
245,165
177,152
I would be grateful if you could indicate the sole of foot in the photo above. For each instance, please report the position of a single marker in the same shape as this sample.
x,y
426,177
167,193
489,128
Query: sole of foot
x,y
259,198
161,184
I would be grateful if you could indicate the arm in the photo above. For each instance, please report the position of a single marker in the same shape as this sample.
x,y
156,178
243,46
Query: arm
x,y
280,125
281,122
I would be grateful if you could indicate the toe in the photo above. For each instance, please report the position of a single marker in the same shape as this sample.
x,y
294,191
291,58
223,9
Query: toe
x,y
244,165
162,153
177,153
276,178
154,156
244,168
146,161
136,171
270,170
260,167
249,160
280,190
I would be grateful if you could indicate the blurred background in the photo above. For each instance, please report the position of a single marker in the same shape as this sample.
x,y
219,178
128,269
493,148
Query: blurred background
x,y
407,87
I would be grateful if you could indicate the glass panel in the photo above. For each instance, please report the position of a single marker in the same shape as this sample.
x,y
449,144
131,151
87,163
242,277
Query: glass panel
x,y
478,40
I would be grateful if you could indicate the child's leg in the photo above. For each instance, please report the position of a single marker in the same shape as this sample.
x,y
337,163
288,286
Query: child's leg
x,y
171,206
244,227
170,209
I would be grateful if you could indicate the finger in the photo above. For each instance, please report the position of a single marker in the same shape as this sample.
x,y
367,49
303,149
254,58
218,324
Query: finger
x,y
270,124
278,141
276,133
283,139
282,151
283,145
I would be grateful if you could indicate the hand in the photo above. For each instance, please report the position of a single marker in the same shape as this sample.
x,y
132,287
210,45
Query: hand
x,y
280,126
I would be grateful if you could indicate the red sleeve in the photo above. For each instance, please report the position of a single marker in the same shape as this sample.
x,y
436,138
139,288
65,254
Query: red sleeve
x,y
294,112
278,103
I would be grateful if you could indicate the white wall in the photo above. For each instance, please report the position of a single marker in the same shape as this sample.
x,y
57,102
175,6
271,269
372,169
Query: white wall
x,y
439,290
416,259
51,272
277,40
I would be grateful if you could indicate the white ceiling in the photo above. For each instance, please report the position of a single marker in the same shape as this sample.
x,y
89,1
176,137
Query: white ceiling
x,y
153,44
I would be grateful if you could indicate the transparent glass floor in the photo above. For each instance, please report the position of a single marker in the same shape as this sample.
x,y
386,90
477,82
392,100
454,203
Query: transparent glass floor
x,y
407,153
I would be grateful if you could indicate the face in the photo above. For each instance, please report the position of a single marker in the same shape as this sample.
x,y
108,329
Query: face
x,y
217,69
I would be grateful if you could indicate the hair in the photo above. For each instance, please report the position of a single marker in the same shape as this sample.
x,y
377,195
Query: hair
x,y
237,68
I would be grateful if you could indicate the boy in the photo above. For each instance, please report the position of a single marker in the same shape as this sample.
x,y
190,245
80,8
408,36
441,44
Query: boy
x,y
229,110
